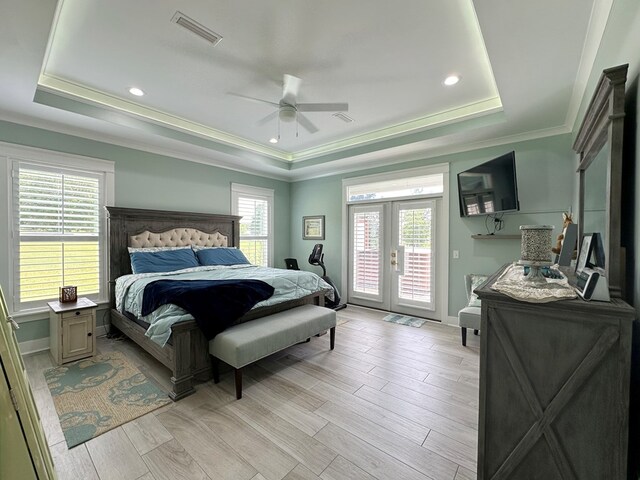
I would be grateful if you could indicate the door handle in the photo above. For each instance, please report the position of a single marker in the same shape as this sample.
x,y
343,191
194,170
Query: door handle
x,y
13,323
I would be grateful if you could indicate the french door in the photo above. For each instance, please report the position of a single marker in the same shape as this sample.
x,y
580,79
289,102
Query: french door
x,y
392,264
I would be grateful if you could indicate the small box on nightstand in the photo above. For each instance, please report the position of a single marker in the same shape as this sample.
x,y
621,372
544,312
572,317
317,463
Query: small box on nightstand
x,y
72,330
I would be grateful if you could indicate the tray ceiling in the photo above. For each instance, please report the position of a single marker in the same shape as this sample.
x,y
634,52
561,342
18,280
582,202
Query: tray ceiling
x,y
519,72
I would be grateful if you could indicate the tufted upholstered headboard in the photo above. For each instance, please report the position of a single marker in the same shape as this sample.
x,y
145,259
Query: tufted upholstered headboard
x,y
133,227
178,237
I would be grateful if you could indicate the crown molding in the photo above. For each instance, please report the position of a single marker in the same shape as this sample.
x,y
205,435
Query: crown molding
x,y
231,164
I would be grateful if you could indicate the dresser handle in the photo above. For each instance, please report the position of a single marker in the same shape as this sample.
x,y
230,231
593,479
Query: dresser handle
x,y
78,312
89,334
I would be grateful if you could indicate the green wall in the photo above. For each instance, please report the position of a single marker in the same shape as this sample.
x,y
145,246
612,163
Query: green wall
x,y
143,180
545,170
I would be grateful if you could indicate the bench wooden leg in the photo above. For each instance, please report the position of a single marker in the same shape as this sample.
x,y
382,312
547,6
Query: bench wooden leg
x,y
238,383
216,369
332,337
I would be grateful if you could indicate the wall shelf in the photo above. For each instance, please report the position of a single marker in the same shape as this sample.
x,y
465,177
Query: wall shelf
x,y
496,237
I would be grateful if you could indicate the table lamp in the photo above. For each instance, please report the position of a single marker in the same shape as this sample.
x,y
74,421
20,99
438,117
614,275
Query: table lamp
x,y
535,250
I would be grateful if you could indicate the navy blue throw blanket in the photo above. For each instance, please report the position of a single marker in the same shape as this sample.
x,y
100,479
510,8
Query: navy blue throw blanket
x,y
215,304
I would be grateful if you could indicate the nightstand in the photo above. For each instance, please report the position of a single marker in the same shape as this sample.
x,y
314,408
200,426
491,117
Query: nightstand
x,y
72,329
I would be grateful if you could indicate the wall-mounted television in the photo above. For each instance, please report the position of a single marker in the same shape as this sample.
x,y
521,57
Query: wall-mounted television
x,y
489,188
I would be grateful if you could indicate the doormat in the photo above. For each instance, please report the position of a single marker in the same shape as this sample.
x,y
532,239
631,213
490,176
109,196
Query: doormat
x,y
98,394
404,320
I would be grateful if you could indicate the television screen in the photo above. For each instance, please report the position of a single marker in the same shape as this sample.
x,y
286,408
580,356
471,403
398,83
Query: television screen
x,y
489,188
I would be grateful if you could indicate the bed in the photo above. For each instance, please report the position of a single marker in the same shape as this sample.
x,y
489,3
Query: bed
x,y
187,353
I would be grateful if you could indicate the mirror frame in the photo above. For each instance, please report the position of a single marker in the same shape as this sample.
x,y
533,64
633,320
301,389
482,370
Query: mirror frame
x,y
603,125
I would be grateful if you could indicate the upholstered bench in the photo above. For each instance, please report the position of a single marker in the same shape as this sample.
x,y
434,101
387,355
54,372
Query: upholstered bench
x,y
240,345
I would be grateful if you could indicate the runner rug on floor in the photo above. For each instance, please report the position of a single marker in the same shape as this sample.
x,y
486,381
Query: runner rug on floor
x,y
98,394
404,320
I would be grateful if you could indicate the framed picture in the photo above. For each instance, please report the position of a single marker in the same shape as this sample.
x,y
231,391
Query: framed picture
x,y
598,251
313,227
586,247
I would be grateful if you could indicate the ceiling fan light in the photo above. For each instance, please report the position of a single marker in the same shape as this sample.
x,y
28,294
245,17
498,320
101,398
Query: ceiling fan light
x,y
273,140
287,113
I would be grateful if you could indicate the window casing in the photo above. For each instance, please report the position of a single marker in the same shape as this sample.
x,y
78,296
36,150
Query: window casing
x,y
255,206
58,226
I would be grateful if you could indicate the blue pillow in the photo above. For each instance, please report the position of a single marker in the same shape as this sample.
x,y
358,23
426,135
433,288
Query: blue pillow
x,y
163,261
221,256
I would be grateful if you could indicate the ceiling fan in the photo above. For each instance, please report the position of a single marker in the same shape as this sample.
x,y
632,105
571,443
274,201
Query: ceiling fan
x,y
288,108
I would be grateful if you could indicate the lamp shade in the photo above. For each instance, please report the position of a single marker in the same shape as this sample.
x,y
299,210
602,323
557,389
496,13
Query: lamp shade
x,y
536,244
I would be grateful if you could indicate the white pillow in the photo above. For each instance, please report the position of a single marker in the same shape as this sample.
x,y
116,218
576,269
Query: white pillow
x,y
197,248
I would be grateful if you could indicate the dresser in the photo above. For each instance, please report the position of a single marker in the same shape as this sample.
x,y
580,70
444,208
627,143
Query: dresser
x,y
554,388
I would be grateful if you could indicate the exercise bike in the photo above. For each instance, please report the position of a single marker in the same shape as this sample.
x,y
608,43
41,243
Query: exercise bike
x,y
317,260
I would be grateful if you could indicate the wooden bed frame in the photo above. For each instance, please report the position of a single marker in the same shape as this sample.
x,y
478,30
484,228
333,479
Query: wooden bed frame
x,y
187,356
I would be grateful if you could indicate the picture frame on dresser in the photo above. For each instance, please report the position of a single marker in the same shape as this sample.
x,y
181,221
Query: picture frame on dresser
x,y
586,249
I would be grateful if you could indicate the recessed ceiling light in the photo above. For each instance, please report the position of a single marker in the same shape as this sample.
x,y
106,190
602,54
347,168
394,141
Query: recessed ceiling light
x,y
136,91
274,140
451,80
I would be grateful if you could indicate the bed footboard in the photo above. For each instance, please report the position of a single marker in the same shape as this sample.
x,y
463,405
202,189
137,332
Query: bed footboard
x,y
187,356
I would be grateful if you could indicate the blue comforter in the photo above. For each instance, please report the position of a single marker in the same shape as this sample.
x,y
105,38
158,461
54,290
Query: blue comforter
x,y
214,304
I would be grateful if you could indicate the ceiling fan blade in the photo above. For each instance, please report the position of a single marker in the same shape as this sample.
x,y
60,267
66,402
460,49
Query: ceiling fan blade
x,y
306,124
267,119
323,107
253,99
290,89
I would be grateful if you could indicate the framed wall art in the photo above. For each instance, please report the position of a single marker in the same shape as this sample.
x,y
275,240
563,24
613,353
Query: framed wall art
x,y
313,227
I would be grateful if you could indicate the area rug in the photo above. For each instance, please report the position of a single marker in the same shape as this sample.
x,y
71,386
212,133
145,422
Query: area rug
x,y
404,320
98,394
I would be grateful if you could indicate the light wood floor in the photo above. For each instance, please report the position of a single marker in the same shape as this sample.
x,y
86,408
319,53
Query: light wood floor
x,y
390,402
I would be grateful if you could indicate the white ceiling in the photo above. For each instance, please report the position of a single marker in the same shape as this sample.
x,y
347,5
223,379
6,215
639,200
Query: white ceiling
x,y
523,67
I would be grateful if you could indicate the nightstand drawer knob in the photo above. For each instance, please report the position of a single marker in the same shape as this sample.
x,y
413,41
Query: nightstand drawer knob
x,y
89,334
78,312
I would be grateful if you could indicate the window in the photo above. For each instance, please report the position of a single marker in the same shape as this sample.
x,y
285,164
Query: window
x,y
410,186
255,206
58,225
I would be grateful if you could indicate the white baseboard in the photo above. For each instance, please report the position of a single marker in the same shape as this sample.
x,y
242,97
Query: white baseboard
x,y
41,344
451,321
34,346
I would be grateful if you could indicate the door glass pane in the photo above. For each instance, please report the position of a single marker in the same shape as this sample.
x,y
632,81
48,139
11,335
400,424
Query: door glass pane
x,y
366,252
415,237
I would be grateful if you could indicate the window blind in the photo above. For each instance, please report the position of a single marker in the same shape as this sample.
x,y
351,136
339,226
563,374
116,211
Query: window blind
x,y
57,221
415,235
255,205
366,252
254,229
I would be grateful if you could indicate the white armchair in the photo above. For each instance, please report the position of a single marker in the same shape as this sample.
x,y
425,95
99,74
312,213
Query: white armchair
x,y
469,316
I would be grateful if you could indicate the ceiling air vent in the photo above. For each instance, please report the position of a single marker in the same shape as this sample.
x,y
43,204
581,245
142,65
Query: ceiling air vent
x,y
194,27
344,117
